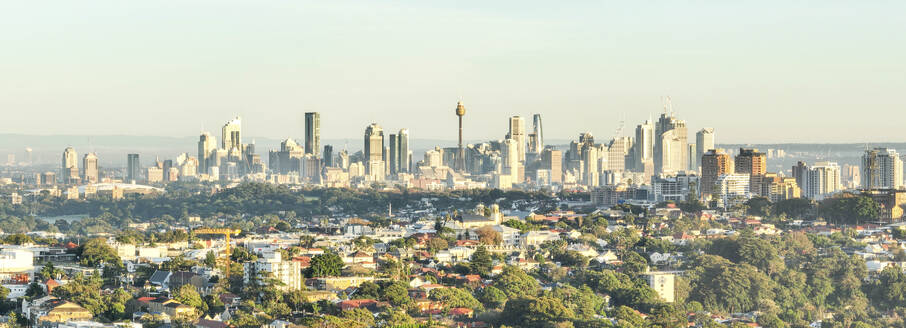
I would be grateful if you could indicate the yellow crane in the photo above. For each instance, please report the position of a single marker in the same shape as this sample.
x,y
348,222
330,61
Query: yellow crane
x,y
226,232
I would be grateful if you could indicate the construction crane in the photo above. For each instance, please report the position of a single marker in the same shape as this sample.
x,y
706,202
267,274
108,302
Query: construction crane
x,y
226,232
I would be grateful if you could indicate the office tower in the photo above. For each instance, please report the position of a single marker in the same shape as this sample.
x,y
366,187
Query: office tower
x,y
704,141
48,178
133,168
715,162
670,139
69,172
165,169
552,160
403,151
517,133
374,151
461,155
394,157
642,150
28,155
800,173
882,168
732,189
751,161
207,145
90,168
511,162
536,138
617,151
590,159
328,156
312,133
231,137
693,161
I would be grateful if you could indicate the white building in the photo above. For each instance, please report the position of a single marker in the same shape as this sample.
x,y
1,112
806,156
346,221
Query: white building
x,y
288,272
732,187
882,168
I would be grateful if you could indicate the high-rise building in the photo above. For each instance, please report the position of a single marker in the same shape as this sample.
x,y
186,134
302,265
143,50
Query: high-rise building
x,y
207,146
328,156
590,160
394,156
823,180
90,168
232,135
536,138
69,172
511,164
882,168
517,133
715,162
693,161
852,176
374,151
732,188
403,151
617,151
133,168
552,160
751,161
704,141
643,148
312,133
670,140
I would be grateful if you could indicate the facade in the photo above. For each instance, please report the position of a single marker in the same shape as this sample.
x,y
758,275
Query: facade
x,y
751,161
882,168
90,168
670,140
207,147
663,283
312,133
674,188
517,133
643,149
536,138
69,172
732,188
817,181
287,271
231,136
715,162
617,152
552,161
704,141
374,152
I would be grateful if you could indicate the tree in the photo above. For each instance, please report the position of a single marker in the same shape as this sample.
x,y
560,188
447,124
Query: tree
x,y
515,283
360,316
210,259
633,263
325,265
397,318
489,236
96,252
492,297
368,290
49,271
889,290
397,293
456,298
189,296
480,261
627,317
760,206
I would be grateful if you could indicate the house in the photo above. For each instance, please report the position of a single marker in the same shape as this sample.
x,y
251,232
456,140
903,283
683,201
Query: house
x,y
60,311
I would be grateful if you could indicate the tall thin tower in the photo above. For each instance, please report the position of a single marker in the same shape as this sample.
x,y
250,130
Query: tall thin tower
x,y
461,156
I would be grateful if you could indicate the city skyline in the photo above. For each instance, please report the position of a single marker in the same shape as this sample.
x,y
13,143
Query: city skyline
x,y
511,60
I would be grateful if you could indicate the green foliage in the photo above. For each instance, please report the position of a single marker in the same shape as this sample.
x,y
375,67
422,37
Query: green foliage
x,y
516,283
481,262
720,285
325,265
396,293
456,298
492,297
188,295
96,252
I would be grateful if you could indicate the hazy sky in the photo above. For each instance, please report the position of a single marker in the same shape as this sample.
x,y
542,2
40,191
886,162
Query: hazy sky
x,y
758,71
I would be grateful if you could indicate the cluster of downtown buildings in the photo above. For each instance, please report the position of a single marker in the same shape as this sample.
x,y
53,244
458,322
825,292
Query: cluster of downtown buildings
x,y
657,163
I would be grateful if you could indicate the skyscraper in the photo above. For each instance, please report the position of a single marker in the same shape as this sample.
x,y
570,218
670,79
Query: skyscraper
x,y
536,138
402,140
69,172
232,135
751,161
328,156
617,151
207,145
644,145
133,168
394,158
517,133
552,160
90,168
312,133
715,162
374,151
670,139
882,168
704,141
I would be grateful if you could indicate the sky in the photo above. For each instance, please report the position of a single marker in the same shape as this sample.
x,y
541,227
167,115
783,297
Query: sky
x,y
756,71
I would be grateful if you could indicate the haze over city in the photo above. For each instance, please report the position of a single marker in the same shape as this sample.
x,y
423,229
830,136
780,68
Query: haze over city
x,y
759,72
